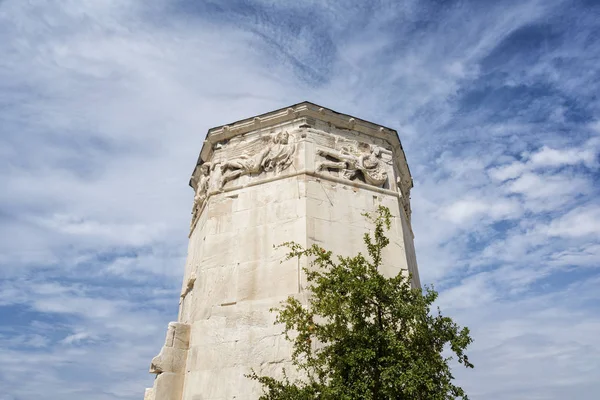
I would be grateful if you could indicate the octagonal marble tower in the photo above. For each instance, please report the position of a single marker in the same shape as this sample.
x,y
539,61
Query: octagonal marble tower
x,y
305,174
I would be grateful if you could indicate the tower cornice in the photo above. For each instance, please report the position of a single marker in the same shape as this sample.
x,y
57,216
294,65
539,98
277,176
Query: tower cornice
x,y
306,110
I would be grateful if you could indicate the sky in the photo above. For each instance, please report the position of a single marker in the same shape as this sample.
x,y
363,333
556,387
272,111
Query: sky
x,y
104,105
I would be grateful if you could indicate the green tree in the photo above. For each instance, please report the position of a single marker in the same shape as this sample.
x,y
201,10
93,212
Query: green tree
x,y
363,335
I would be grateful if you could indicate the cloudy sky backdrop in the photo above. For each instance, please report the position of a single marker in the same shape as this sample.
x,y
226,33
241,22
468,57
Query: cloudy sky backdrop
x,y
104,105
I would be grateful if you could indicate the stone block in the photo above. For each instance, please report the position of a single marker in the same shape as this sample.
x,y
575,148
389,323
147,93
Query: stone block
x,y
169,359
221,205
216,285
213,384
178,335
261,280
168,386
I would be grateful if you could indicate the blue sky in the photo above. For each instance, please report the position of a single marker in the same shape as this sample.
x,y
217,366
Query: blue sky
x,y
104,106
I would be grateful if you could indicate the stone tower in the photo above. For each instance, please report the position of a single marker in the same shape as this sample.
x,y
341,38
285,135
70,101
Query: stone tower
x,y
304,174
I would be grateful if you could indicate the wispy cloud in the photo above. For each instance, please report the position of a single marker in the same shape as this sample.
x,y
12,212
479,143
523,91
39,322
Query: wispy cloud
x,y
104,107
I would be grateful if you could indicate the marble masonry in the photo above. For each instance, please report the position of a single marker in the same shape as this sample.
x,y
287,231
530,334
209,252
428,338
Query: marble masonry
x,y
303,173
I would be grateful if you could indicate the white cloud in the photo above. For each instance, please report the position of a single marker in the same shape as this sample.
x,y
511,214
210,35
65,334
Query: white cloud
x,y
509,171
77,338
551,333
474,291
549,191
124,234
576,223
548,157
585,255
466,209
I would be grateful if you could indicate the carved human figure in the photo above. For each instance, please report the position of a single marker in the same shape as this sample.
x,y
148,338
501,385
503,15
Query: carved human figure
x,y
280,154
369,163
372,167
201,190
347,162
243,165
203,182
275,154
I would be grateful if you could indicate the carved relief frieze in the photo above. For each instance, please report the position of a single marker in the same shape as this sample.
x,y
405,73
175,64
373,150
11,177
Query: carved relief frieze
x,y
202,184
267,153
355,160
237,158
340,155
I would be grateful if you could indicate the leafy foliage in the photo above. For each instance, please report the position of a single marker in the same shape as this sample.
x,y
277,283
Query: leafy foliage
x,y
363,335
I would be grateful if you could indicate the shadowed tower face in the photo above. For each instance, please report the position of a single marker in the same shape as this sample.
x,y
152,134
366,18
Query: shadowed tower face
x,y
303,174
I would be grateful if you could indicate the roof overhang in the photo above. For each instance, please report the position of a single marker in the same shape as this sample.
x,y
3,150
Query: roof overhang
x,y
304,109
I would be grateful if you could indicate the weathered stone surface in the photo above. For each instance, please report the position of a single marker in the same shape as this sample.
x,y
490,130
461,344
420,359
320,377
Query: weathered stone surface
x,y
169,365
149,394
168,386
306,175
169,359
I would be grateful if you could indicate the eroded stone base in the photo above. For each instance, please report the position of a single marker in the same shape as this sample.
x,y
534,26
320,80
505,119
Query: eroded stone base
x,y
169,364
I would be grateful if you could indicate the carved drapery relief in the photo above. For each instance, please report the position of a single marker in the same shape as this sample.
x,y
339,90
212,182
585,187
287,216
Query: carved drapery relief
x,y
201,192
280,154
246,164
354,163
274,154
